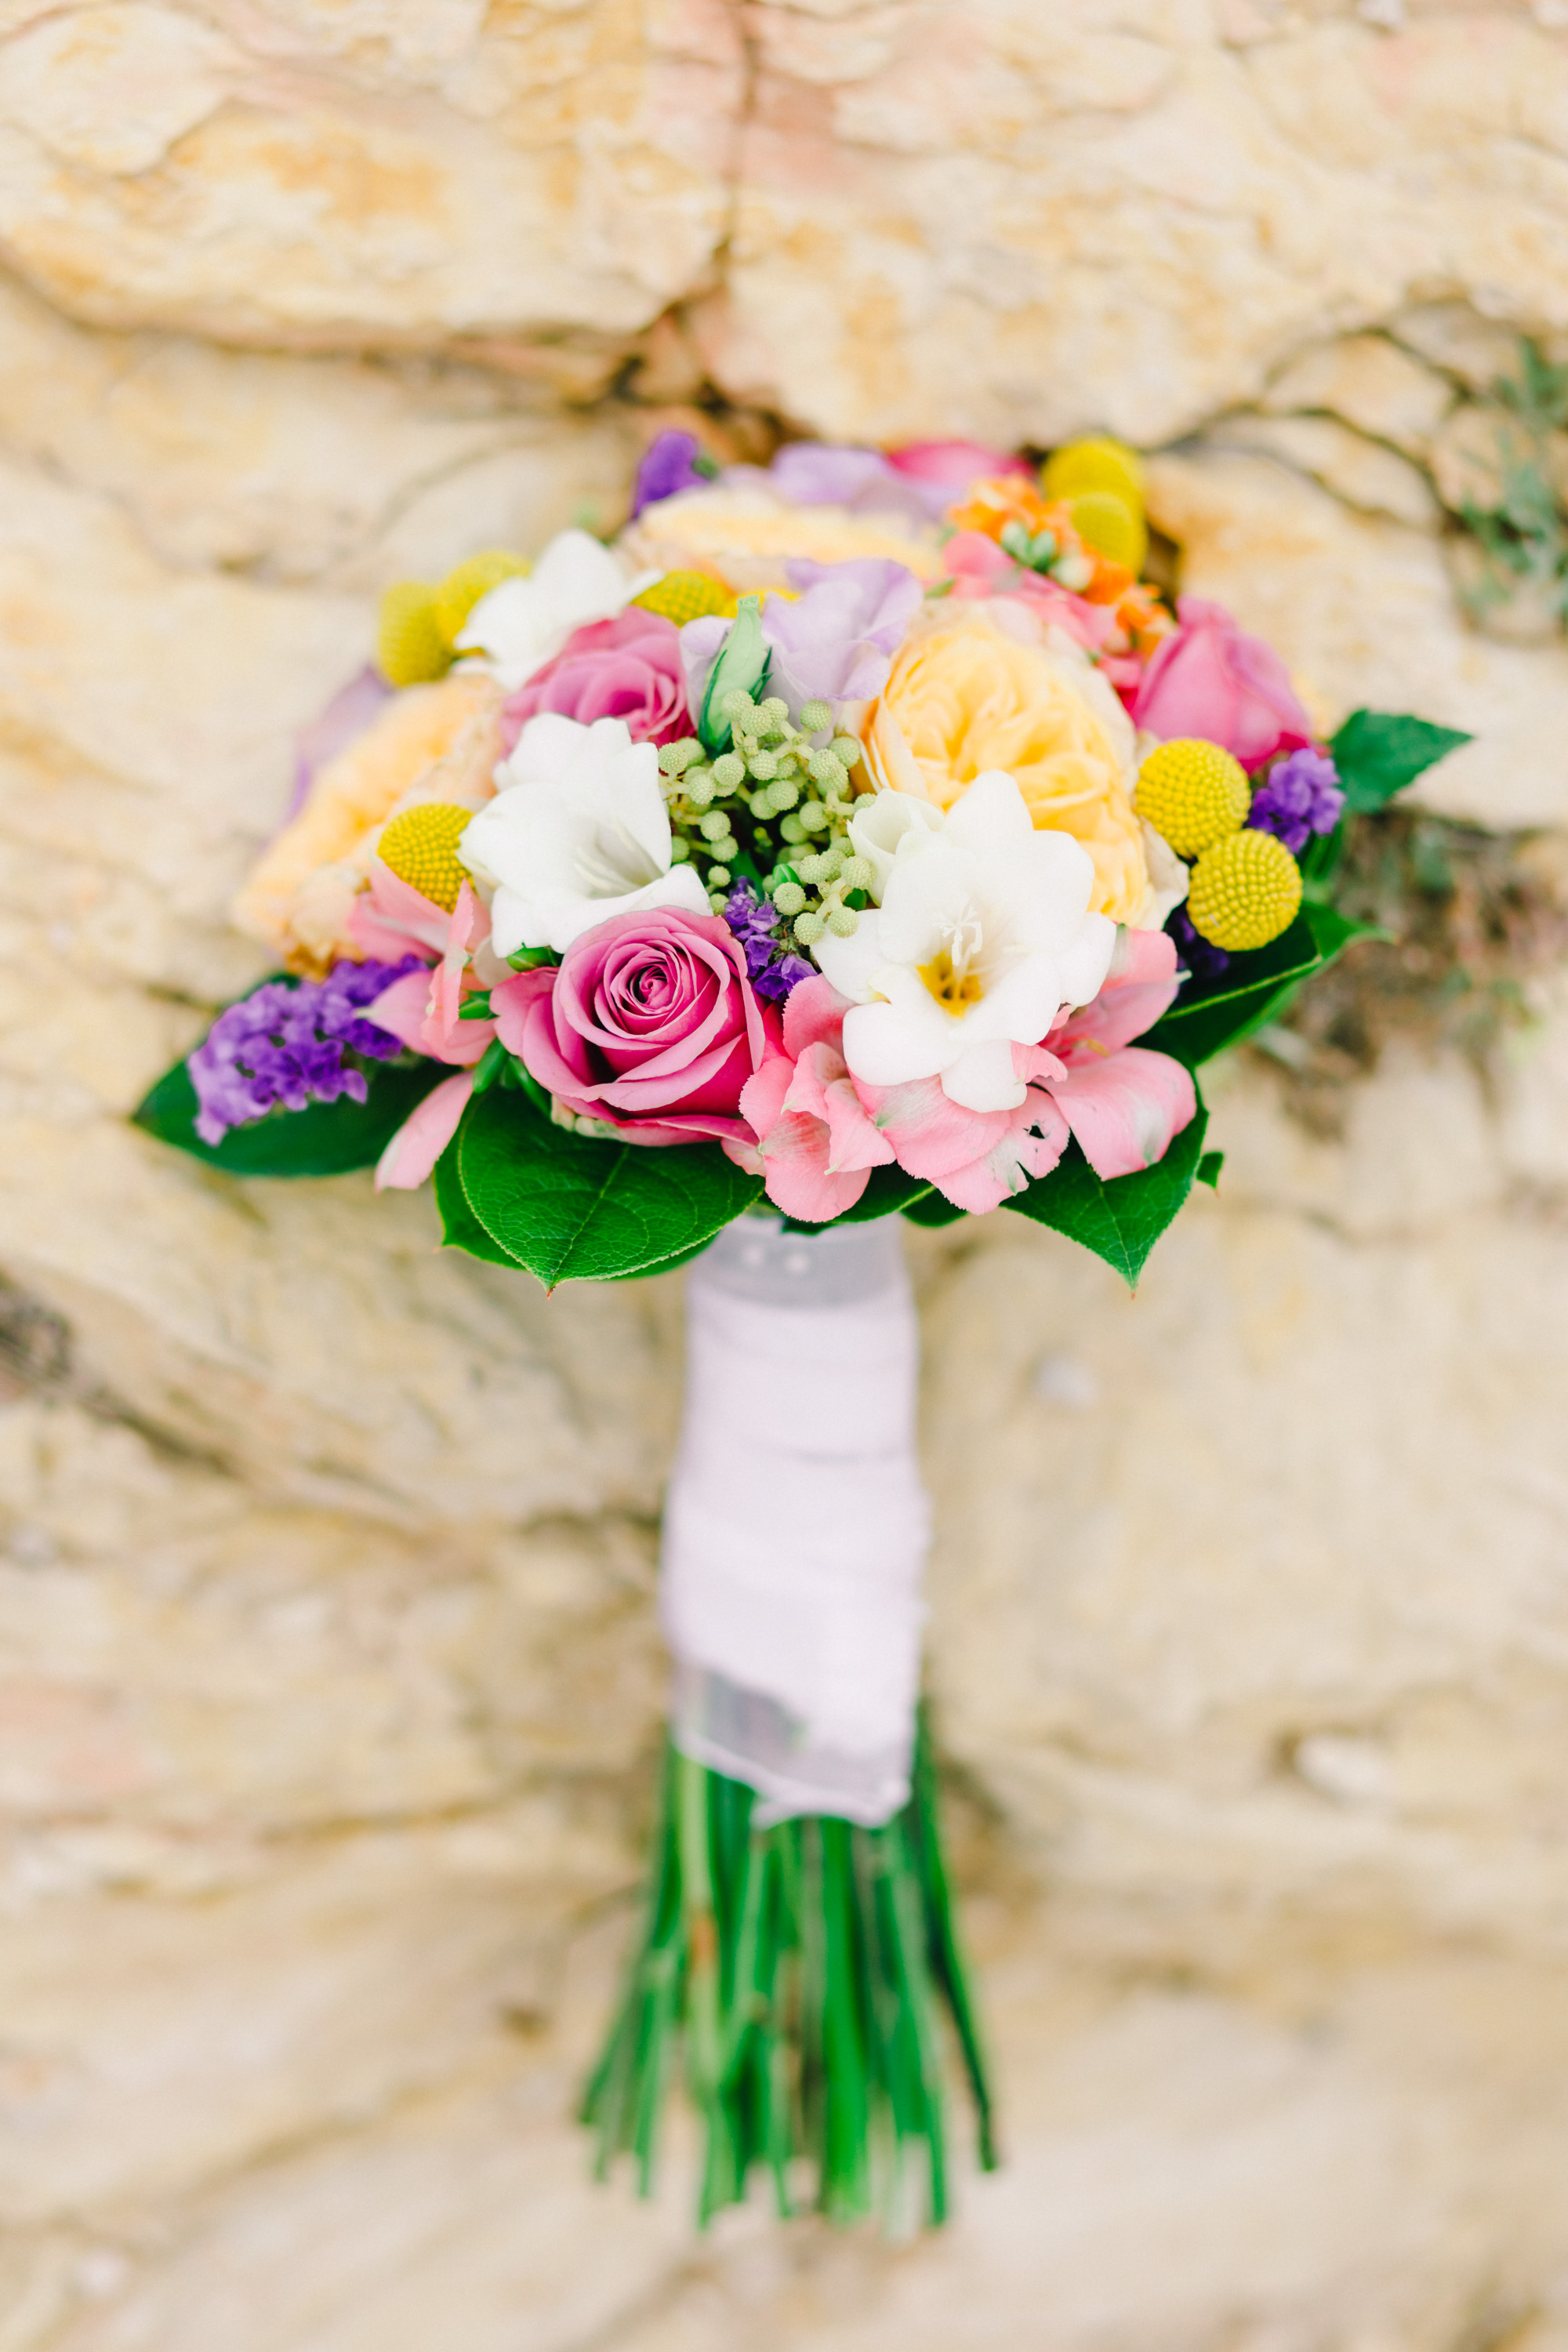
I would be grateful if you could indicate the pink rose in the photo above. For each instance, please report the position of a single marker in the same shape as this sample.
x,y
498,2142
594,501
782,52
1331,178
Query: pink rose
x,y
1212,680
648,1024
954,464
626,668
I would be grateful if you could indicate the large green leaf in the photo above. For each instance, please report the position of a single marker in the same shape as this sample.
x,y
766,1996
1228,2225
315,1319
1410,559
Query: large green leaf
x,y
1378,753
460,1229
322,1139
887,1190
743,660
582,1208
933,1208
1204,1019
1119,1219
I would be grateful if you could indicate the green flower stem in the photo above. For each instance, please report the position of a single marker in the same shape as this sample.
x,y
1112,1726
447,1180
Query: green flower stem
x,y
800,1968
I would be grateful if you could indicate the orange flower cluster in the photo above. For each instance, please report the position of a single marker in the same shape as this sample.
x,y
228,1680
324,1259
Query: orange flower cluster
x,y
999,499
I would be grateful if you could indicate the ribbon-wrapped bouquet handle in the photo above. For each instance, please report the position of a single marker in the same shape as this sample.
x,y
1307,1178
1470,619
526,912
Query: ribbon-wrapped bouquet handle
x,y
855,838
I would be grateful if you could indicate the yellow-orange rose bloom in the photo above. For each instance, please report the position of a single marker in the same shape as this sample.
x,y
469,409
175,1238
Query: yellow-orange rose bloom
x,y
973,690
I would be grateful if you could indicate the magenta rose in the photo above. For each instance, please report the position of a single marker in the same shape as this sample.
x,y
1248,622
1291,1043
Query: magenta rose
x,y
1212,680
649,1023
626,668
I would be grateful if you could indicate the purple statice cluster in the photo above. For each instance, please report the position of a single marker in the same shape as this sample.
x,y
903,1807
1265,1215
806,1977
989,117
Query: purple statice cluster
x,y
1196,955
771,965
286,1042
1300,796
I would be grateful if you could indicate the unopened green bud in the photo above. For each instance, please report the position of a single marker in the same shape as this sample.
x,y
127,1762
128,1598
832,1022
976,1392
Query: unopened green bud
x,y
763,765
857,874
814,717
715,826
810,869
784,792
847,749
792,830
699,789
776,709
789,898
842,921
680,851
716,899
826,768
813,818
808,928
717,877
738,706
729,772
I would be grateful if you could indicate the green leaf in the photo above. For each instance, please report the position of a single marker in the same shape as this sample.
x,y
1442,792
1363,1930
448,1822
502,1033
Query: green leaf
x,y
743,659
1121,1219
322,1139
1209,1170
888,1191
460,1229
581,1207
1204,1019
1333,932
933,1208
1378,753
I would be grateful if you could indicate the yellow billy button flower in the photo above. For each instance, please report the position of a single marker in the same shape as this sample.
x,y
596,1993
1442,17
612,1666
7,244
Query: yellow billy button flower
x,y
1097,464
1114,529
410,645
682,596
462,588
421,848
1245,891
1193,793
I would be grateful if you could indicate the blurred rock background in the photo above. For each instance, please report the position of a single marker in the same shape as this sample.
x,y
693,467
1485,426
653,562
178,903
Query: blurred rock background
x,y
331,1692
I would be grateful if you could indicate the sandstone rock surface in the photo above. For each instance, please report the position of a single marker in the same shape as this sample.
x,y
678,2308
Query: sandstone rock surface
x,y
330,1689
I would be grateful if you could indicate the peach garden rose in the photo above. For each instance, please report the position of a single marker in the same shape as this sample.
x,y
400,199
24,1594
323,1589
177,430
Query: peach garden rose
x,y
985,686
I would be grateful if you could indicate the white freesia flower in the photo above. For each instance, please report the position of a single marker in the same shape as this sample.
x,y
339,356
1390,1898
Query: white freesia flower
x,y
579,832
983,935
525,621
879,823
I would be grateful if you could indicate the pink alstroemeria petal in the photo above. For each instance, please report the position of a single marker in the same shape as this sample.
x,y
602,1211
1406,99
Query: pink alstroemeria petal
x,y
822,1088
401,1009
423,1135
1131,1002
1125,1111
1031,1147
796,1174
930,1133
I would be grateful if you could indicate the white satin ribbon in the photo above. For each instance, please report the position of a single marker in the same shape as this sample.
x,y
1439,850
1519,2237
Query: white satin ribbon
x,y
796,1527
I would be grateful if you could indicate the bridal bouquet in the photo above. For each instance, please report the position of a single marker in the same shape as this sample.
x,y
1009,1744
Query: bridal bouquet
x,y
859,834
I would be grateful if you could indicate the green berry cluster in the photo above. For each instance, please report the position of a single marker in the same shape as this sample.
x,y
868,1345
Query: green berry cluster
x,y
774,809
1043,553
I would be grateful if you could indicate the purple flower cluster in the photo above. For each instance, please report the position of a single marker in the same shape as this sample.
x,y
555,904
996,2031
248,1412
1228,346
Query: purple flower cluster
x,y
1300,796
771,965
285,1043
1198,956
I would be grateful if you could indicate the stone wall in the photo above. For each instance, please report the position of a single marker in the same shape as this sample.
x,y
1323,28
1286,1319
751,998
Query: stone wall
x,y
331,1689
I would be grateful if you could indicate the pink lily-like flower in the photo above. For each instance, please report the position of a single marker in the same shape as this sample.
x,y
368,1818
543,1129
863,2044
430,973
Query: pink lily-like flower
x,y
816,1145
423,1008
425,1134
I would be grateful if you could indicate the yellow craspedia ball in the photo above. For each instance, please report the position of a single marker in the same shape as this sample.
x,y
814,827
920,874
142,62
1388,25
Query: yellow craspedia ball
x,y
463,586
1105,521
410,644
421,847
1245,891
1097,464
683,596
1193,793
